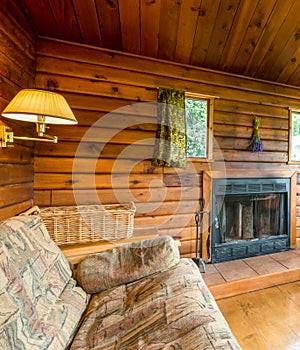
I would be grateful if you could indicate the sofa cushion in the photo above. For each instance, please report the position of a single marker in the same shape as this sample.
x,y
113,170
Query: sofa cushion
x,y
127,263
172,309
37,293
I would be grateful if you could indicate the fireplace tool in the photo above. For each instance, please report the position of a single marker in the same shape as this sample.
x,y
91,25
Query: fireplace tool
x,y
199,234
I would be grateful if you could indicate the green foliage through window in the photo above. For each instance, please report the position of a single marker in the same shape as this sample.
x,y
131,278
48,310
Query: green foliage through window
x,y
196,127
295,154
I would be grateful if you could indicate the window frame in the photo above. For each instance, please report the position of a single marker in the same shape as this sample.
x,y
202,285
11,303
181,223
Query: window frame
x,y
290,139
210,114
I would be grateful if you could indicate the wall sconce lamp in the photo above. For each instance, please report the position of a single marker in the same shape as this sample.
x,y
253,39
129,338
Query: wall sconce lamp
x,y
36,106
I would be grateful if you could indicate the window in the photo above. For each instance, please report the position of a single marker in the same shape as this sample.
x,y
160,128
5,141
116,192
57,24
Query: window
x,y
199,111
294,136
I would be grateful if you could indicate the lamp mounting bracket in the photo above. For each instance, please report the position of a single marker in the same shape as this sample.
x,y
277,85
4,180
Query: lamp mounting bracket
x,y
7,136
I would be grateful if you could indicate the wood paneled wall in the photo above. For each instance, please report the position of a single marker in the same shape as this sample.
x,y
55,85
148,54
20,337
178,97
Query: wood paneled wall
x,y
17,71
114,156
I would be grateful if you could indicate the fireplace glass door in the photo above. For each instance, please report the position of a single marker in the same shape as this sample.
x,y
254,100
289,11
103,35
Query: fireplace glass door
x,y
250,217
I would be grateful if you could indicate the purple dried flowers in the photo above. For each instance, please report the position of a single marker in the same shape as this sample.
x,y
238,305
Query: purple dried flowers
x,y
256,143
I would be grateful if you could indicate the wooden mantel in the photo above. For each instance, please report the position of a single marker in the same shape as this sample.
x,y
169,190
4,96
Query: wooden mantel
x,y
240,174
255,173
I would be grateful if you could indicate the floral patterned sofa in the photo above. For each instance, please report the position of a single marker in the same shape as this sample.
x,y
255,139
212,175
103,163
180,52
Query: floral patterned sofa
x,y
135,296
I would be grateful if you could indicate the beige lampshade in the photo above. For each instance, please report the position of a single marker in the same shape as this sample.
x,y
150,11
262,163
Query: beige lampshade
x,y
39,106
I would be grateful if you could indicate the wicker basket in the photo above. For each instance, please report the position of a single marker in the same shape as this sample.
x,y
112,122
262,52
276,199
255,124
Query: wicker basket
x,y
89,223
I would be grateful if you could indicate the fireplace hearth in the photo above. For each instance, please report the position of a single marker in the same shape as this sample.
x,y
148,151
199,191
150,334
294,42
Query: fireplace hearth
x,y
250,217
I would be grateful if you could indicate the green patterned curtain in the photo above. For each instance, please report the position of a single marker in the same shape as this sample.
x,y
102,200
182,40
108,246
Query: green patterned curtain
x,y
170,144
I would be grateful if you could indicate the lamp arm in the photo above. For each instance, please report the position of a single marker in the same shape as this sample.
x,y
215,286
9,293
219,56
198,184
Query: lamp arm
x,y
7,136
45,138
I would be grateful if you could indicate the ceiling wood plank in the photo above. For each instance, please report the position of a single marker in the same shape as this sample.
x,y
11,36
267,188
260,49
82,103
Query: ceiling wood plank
x,y
288,56
289,27
186,29
281,8
88,22
130,25
255,38
42,18
150,14
295,77
253,33
169,20
238,31
109,19
66,20
223,24
290,68
19,12
205,25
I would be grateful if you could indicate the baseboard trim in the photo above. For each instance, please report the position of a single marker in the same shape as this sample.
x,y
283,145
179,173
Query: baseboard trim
x,y
229,289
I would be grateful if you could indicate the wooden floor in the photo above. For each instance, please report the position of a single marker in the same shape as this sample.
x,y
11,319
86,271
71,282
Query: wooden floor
x,y
268,319
260,299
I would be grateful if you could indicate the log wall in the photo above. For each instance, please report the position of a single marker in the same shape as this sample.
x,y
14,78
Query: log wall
x,y
17,71
106,89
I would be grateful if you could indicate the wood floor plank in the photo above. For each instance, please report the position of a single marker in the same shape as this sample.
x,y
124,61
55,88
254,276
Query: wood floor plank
x,y
292,290
265,319
236,315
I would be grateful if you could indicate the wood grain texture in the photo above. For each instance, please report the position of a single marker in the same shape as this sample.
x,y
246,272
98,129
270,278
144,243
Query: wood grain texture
x,y
89,30
17,69
15,209
108,14
96,56
229,35
189,14
266,319
149,17
130,26
252,38
121,166
167,35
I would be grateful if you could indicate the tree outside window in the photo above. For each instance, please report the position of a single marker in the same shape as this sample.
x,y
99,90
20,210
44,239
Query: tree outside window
x,y
294,145
198,126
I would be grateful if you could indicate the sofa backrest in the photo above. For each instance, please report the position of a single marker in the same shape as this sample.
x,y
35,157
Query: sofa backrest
x,y
40,304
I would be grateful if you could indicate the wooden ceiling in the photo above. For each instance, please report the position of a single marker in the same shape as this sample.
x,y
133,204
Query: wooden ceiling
x,y
256,38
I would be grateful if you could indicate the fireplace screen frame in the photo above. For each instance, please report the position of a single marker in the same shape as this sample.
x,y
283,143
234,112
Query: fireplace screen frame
x,y
243,248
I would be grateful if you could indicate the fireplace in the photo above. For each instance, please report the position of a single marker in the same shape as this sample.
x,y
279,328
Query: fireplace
x,y
250,217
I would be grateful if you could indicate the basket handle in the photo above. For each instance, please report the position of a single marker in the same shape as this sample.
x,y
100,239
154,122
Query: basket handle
x,y
132,206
